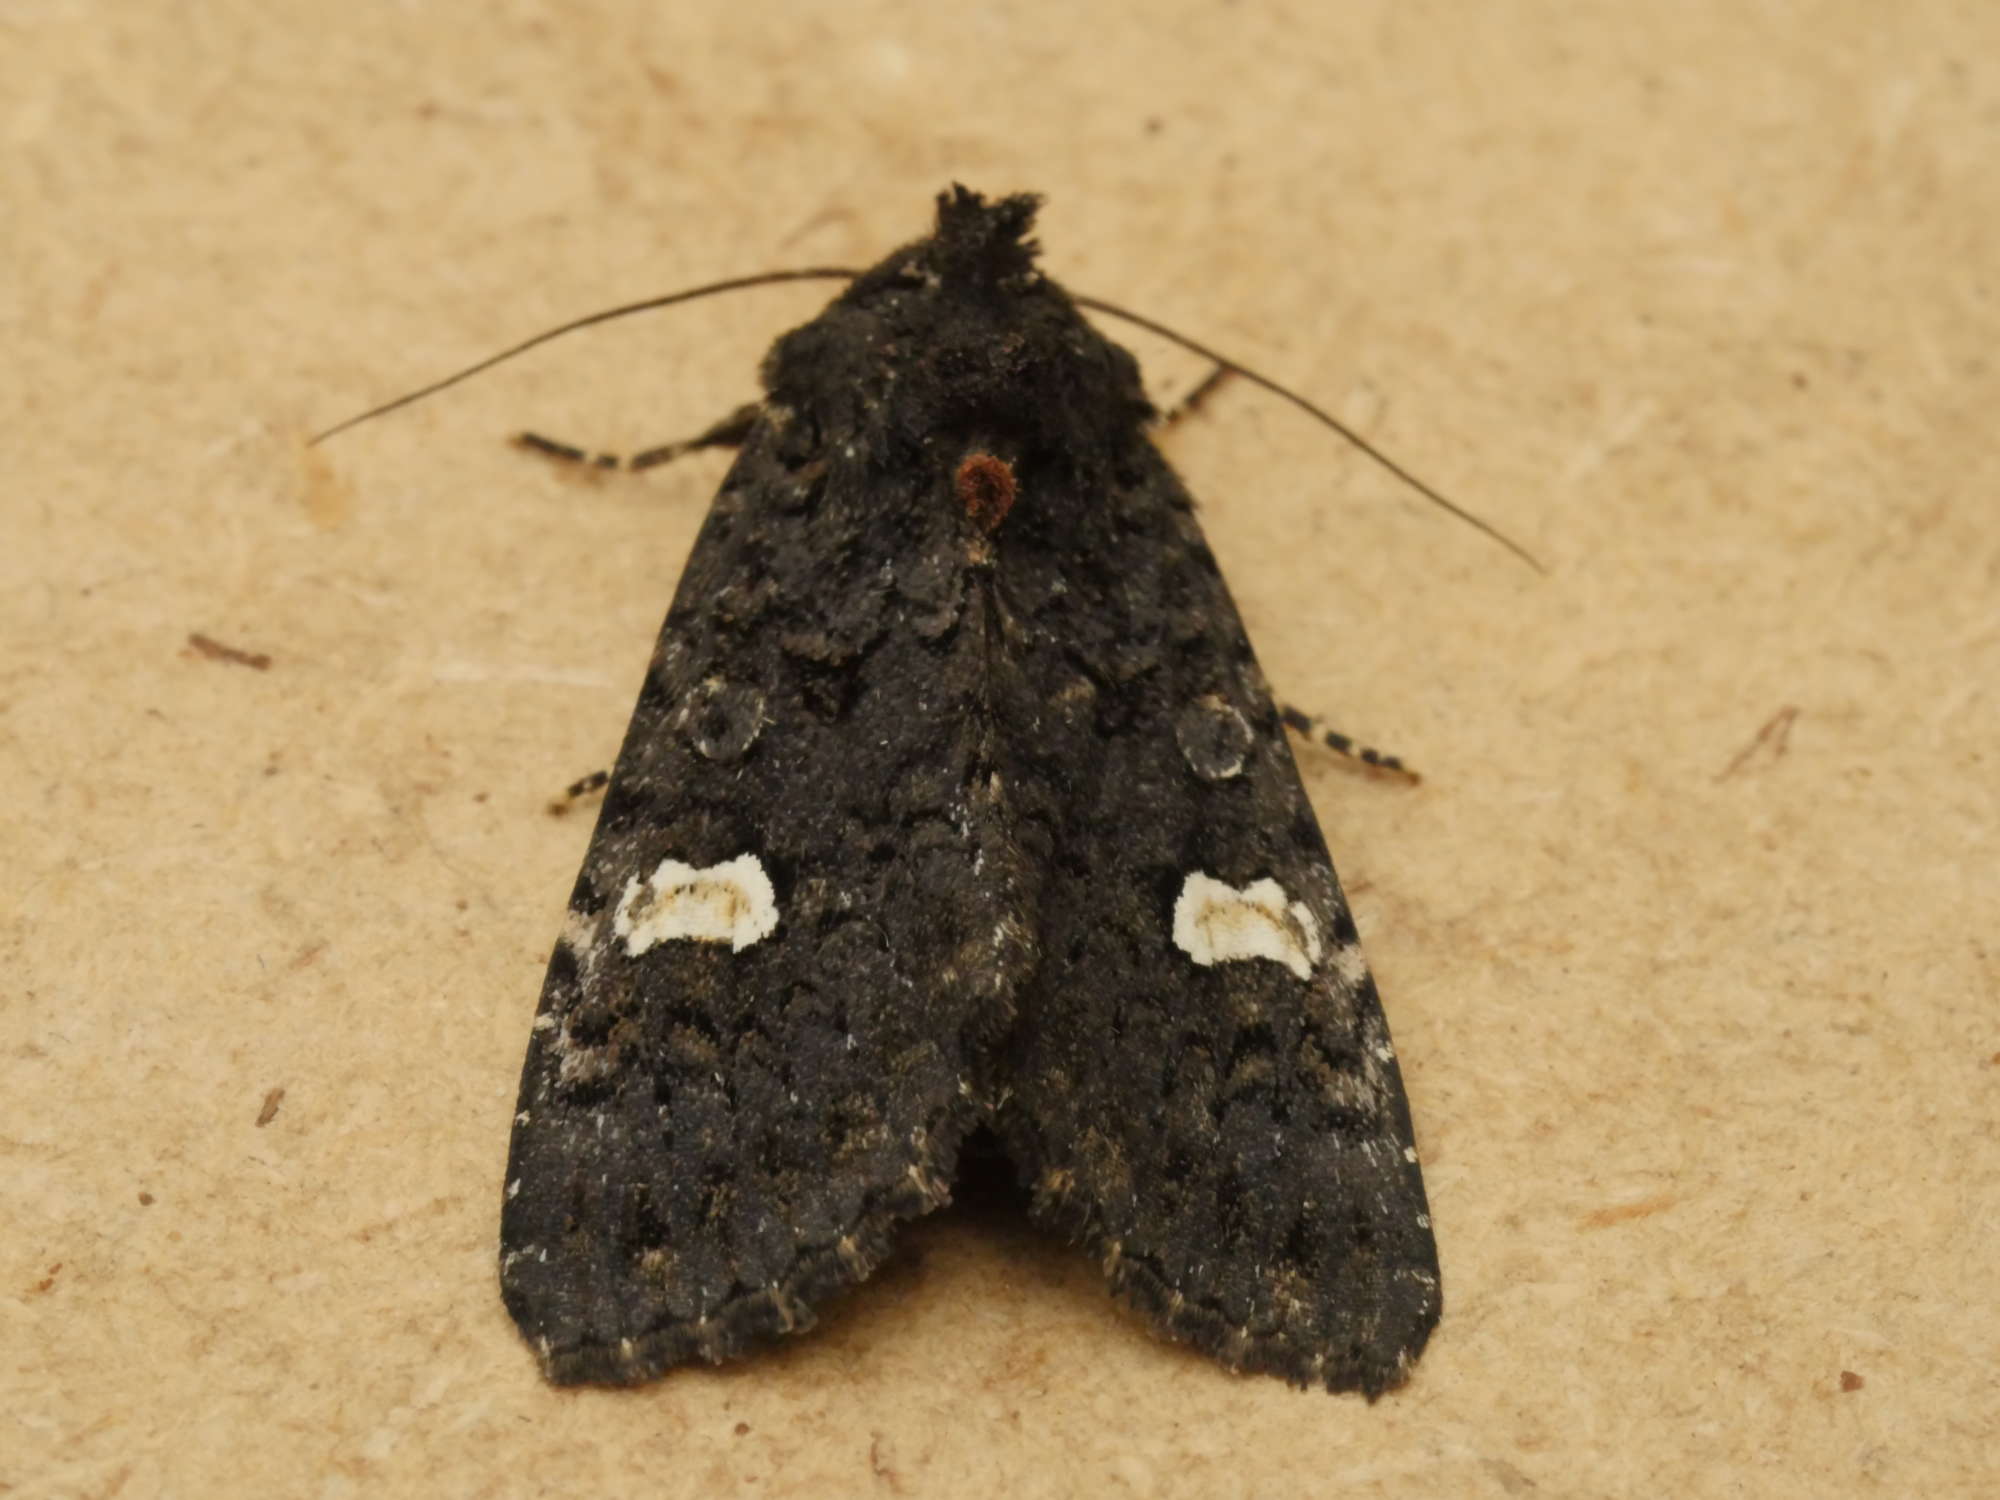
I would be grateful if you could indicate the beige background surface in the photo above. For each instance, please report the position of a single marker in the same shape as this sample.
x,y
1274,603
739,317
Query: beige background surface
x,y
1700,1030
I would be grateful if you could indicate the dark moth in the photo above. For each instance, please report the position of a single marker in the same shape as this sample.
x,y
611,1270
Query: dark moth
x,y
954,798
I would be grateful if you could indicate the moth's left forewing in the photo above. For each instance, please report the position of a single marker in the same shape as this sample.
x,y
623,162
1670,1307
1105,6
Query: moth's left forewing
x,y
1202,1082
753,1054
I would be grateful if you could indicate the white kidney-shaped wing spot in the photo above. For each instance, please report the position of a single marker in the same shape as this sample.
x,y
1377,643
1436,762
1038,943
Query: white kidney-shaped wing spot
x,y
729,903
1215,923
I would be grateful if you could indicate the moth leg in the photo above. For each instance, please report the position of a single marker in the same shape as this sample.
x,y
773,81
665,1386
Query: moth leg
x,y
728,433
1319,733
1194,399
577,790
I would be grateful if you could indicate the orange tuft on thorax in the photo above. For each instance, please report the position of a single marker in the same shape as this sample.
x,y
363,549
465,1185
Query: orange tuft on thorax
x,y
986,489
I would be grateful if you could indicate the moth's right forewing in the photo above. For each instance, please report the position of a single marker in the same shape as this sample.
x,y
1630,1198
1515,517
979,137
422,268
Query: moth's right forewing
x,y
1201,1085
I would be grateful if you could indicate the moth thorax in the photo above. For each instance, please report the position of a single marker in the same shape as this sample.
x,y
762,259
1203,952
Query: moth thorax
x,y
986,489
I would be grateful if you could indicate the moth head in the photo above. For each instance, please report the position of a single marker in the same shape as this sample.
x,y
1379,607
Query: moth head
x,y
979,244
958,338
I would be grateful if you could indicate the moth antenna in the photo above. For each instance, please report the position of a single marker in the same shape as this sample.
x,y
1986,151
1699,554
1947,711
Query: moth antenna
x,y
734,284
841,273
1327,418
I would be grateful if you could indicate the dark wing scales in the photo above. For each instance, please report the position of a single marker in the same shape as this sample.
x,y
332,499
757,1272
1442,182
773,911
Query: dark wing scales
x,y
1230,1137
750,1063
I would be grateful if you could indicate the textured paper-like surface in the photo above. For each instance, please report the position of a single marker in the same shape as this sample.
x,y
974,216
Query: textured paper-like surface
x,y
1685,939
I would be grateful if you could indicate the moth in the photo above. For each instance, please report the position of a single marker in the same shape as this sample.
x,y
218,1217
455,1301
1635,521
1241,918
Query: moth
x,y
954,799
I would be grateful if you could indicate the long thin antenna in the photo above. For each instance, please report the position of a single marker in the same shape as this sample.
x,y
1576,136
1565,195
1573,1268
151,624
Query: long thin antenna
x,y
1097,305
735,283
841,273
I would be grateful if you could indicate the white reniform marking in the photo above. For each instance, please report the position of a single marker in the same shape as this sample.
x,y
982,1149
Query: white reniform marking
x,y
1215,923
729,903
